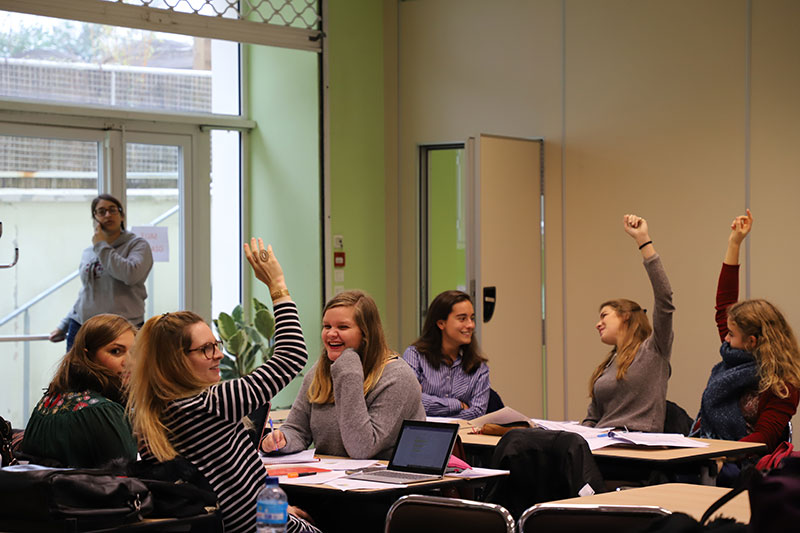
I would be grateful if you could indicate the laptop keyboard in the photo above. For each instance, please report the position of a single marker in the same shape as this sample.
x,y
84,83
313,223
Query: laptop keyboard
x,y
395,475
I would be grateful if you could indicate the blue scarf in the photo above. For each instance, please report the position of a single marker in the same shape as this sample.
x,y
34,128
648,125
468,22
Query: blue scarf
x,y
720,413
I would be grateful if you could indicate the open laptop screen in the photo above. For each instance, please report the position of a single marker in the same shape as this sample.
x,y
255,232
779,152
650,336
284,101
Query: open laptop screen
x,y
424,447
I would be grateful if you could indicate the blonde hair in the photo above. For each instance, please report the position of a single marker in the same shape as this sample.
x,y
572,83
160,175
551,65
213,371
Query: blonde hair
x,y
81,360
635,328
161,373
374,352
776,348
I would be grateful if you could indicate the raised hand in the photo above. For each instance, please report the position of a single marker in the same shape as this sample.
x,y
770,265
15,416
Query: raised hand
x,y
100,233
265,265
636,227
740,227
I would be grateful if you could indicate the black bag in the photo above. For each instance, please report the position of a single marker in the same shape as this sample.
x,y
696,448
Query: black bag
x,y
178,488
6,445
89,496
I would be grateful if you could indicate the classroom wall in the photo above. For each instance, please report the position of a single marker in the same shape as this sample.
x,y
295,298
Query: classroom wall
x,y
357,189
284,181
670,109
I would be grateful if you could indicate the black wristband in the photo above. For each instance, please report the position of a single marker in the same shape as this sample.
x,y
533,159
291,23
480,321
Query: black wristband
x,y
645,244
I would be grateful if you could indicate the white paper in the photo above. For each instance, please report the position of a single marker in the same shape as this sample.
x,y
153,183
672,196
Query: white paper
x,y
443,419
478,472
598,438
320,478
346,464
345,483
306,456
158,239
655,439
506,415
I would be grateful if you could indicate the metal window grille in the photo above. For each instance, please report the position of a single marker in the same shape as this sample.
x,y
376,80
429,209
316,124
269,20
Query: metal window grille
x,y
284,23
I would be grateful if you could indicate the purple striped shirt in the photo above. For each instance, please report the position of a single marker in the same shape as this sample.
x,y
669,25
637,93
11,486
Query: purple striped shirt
x,y
444,389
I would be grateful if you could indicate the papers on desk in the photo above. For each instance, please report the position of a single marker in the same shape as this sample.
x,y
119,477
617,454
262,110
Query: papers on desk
x,y
306,456
675,440
601,437
478,472
506,415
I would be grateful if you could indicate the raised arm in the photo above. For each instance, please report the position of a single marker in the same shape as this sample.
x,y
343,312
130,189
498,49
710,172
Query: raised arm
x,y
238,397
637,228
728,283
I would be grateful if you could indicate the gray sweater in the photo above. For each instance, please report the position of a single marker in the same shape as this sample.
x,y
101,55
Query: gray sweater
x,y
354,425
113,277
638,401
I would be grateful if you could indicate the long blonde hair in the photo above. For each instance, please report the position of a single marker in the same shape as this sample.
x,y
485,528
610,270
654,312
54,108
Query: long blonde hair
x,y
634,329
776,348
161,373
374,352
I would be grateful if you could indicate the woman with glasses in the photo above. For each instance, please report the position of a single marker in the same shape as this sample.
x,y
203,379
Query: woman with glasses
x,y
178,406
113,271
80,421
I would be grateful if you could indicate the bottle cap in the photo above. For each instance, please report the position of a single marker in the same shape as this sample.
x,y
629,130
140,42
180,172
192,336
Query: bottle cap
x,y
272,480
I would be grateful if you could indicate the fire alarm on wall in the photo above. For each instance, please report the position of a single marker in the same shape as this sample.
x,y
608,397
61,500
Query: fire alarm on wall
x,y
338,259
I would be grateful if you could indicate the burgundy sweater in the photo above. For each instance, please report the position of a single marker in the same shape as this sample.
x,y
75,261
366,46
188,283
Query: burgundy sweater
x,y
773,413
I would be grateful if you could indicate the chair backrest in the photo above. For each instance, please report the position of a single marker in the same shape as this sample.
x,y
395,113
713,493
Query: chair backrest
x,y
676,419
416,513
495,402
557,518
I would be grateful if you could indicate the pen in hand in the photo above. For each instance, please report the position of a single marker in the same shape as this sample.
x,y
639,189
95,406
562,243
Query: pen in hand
x,y
272,432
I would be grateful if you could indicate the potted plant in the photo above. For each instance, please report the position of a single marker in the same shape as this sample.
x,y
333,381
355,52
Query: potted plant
x,y
247,343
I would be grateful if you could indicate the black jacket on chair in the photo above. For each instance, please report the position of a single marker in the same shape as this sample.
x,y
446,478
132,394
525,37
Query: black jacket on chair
x,y
545,465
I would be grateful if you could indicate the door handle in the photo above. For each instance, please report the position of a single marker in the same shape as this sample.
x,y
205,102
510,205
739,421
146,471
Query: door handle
x,y
489,301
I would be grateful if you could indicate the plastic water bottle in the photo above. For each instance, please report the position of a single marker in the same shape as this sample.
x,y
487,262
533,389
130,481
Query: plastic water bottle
x,y
273,508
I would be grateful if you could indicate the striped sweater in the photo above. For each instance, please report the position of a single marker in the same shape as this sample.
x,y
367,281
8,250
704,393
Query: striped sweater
x,y
207,430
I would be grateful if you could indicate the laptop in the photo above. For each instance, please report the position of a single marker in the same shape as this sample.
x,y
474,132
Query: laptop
x,y
420,454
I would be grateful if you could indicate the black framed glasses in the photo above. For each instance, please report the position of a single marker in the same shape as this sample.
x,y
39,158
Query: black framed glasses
x,y
113,210
209,349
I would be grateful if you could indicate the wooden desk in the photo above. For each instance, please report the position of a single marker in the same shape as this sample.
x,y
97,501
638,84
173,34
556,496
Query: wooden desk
x,y
729,449
638,463
715,449
365,509
676,497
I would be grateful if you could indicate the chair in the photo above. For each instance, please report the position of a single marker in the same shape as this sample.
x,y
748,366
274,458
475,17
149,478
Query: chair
x,y
557,518
416,513
495,402
676,419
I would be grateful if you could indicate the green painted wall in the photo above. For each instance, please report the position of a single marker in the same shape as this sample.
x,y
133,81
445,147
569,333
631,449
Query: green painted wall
x,y
355,44
284,158
447,264
284,180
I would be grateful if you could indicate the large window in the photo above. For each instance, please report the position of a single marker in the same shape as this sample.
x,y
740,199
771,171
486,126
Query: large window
x,y
87,108
78,63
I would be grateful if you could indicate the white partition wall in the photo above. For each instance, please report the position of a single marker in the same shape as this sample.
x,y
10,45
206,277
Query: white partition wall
x,y
683,112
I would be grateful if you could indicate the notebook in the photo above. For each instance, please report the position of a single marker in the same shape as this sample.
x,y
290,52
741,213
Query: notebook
x,y
420,454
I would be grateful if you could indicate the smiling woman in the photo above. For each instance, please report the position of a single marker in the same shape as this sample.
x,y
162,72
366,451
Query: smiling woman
x,y
629,387
447,359
177,402
354,400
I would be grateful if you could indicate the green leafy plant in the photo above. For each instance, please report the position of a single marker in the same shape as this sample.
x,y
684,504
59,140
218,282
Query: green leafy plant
x,y
247,343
